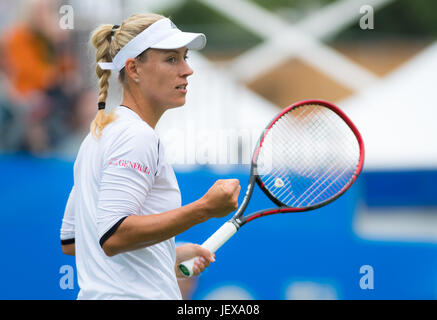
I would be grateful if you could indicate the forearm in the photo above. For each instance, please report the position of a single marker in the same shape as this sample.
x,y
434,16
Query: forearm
x,y
137,232
187,286
69,249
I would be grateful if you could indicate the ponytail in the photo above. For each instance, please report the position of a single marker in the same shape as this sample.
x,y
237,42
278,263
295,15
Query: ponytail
x,y
101,40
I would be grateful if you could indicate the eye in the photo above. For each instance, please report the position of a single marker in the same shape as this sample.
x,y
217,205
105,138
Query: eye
x,y
171,59
186,58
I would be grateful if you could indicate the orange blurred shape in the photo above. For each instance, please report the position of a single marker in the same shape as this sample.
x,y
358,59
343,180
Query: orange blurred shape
x,y
30,57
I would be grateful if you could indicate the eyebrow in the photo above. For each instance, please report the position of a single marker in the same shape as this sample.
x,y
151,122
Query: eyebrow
x,y
173,51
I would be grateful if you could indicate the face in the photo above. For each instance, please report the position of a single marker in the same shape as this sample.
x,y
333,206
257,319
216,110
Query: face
x,y
163,77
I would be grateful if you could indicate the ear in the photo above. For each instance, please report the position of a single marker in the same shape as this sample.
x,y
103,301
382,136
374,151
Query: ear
x,y
131,68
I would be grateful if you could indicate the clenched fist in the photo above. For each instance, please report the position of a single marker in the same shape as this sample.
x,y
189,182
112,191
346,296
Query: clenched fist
x,y
222,198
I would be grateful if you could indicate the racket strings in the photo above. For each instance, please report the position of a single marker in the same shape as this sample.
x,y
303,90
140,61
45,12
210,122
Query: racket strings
x,y
307,156
282,170
322,185
320,179
331,176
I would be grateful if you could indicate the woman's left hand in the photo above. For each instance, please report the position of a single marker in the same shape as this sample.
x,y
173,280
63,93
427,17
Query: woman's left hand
x,y
190,250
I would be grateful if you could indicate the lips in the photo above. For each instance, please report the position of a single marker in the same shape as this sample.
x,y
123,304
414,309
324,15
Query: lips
x,y
182,88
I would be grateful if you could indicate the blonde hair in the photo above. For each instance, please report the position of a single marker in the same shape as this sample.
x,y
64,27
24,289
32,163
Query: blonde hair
x,y
108,41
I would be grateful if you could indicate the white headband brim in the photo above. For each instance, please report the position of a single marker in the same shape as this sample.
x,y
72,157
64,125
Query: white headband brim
x,y
193,41
162,34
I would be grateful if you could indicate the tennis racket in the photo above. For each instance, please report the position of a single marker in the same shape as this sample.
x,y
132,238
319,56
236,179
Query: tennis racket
x,y
307,157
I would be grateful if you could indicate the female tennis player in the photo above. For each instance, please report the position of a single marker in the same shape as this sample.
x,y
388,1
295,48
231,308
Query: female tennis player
x,y
124,209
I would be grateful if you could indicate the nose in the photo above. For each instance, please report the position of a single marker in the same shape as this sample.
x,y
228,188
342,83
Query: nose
x,y
186,70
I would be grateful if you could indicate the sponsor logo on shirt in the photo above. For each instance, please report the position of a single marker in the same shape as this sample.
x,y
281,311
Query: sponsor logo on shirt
x,y
129,164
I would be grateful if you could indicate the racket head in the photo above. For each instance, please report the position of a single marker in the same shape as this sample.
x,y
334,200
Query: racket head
x,y
316,153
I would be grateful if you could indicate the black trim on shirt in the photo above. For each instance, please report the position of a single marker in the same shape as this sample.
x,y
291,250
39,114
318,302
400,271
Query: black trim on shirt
x,y
111,231
122,105
67,241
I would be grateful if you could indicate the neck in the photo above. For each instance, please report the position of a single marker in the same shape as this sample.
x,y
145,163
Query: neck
x,y
142,107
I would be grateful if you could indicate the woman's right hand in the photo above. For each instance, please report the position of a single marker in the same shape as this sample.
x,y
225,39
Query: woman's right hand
x,y
222,198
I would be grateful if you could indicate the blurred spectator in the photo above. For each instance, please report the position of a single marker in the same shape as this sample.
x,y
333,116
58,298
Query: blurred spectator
x,y
41,72
83,111
12,129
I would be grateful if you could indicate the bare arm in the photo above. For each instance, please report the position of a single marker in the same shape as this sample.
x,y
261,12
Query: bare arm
x,y
140,231
69,249
137,232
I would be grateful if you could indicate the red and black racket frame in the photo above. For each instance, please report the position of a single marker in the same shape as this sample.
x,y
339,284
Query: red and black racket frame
x,y
239,220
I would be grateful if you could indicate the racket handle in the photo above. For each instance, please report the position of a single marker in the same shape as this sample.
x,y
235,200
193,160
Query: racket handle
x,y
212,244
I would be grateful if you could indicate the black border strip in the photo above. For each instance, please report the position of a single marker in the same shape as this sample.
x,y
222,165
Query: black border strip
x,y
111,231
68,241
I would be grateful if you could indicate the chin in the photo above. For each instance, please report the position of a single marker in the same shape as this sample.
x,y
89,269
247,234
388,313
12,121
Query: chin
x,y
176,104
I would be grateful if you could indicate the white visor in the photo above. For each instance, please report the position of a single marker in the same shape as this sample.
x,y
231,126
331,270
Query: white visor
x,y
163,34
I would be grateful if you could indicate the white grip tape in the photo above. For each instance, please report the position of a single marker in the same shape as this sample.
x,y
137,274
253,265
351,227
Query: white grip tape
x,y
212,244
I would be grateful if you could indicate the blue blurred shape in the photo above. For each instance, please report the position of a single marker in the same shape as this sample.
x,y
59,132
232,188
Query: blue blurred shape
x,y
415,188
310,255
